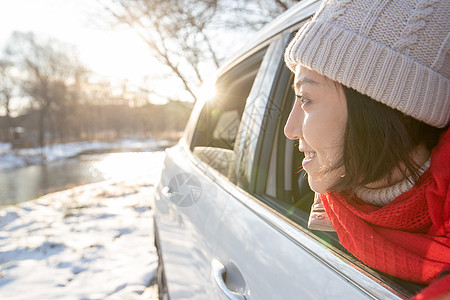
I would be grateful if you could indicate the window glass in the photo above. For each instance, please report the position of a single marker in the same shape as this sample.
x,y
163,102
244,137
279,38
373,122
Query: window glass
x,y
286,187
218,123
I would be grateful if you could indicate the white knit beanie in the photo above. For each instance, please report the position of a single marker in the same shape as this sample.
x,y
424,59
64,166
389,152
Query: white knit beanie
x,y
396,52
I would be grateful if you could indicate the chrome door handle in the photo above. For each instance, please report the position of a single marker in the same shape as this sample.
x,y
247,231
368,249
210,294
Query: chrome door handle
x,y
219,270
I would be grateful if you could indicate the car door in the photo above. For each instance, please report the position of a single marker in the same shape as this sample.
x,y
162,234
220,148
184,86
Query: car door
x,y
189,202
265,250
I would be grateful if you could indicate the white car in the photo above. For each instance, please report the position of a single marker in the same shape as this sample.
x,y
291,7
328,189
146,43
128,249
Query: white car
x,y
231,208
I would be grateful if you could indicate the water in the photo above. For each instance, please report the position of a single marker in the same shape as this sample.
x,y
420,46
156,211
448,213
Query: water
x,y
22,184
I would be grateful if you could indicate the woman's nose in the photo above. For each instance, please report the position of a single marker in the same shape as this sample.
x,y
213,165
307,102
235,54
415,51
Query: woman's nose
x,y
293,127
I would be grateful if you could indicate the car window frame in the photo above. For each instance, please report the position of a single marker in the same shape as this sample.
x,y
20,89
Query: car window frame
x,y
188,136
326,239
231,75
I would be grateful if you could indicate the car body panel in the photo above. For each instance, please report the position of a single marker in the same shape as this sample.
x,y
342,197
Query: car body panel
x,y
276,259
273,266
290,250
187,233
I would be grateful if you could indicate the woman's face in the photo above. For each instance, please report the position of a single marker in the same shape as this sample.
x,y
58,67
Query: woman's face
x,y
318,120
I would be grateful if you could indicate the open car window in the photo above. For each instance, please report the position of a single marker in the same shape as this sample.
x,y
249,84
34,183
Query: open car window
x,y
220,118
282,184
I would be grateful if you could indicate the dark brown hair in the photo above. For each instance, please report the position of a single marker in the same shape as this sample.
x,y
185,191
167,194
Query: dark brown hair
x,y
379,139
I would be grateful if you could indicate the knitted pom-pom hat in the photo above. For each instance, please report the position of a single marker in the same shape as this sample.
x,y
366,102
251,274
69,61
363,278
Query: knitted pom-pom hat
x,y
396,52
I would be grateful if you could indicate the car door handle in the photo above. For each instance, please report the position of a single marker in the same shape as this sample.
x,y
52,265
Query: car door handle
x,y
219,271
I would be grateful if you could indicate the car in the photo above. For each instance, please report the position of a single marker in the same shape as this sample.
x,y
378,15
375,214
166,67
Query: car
x,y
232,204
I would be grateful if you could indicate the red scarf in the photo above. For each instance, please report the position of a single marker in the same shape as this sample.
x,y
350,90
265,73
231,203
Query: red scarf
x,y
410,237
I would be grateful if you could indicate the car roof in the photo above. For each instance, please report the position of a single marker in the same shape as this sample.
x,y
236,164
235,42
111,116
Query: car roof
x,y
291,17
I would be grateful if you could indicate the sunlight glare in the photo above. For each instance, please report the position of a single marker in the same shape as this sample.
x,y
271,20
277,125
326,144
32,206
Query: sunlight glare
x,y
120,166
208,90
120,55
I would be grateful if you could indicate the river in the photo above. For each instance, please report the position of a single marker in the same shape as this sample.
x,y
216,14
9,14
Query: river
x,y
26,183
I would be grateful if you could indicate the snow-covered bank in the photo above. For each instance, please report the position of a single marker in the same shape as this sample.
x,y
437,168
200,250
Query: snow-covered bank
x,y
89,242
15,158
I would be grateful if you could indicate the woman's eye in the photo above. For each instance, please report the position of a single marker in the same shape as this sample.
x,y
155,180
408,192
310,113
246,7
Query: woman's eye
x,y
302,99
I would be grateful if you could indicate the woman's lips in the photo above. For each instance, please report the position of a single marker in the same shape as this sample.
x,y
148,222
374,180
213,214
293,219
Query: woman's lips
x,y
309,155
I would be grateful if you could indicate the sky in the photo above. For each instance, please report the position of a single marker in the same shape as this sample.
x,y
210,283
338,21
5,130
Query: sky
x,y
116,54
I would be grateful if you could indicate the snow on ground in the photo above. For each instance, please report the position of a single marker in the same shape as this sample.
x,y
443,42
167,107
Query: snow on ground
x,y
4,147
14,158
90,242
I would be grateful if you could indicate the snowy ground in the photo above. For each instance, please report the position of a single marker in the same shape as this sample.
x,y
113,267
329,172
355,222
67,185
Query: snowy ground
x,y
89,242
14,158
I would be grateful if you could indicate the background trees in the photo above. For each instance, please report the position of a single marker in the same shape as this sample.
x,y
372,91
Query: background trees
x,y
7,90
63,100
192,37
175,31
48,74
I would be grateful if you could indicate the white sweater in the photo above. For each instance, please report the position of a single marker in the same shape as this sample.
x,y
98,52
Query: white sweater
x,y
382,197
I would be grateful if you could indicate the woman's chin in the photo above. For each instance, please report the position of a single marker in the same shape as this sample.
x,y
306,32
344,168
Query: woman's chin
x,y
318,186
321,184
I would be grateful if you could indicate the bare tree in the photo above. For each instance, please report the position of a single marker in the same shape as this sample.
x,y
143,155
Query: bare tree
x,y
175,31
6,93
49,72
183,34
250,15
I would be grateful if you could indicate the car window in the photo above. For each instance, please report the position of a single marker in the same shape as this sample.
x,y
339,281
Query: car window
x,y
219,120
282,184
286,185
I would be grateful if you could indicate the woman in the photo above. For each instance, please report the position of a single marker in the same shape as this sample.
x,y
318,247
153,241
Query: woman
x,y
371,115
